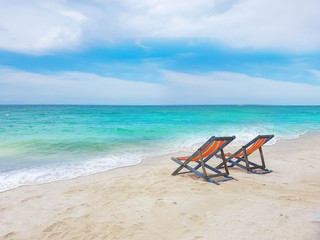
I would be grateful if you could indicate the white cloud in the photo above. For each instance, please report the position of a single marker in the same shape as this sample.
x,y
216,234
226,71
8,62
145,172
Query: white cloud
x,y
236,88
139,44
33,27
39,26
286,24
75,88
76,15
316,73
176,88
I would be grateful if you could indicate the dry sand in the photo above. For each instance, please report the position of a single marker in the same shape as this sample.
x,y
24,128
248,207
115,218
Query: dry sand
x,y
146,202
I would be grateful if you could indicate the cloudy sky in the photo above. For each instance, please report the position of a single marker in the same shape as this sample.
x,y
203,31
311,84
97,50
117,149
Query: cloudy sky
x,y
160,52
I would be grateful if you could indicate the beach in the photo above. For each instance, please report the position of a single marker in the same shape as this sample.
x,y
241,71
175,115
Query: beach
x,y
100,101
145,202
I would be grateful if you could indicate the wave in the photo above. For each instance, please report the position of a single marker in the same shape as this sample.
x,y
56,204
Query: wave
x,y
69,170
55,172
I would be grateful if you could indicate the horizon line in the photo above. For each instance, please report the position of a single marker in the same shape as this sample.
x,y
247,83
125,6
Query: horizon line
x,y
150,105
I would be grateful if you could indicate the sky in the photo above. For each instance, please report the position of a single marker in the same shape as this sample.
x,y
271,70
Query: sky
x,y
160,52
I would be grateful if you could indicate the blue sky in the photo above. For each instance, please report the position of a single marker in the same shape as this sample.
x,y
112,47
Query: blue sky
x,y
159,52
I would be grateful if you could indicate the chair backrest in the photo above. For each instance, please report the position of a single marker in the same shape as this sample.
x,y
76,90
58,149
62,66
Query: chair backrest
x,y
211,147
254,145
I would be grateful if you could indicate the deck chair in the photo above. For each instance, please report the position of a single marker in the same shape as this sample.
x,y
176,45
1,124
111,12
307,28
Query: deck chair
x,y
241,156
200,158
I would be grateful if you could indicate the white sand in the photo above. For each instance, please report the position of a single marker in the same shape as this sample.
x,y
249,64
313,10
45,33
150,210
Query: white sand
x,y
146,202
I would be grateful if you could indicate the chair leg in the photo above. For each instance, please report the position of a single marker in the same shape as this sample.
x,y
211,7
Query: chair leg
x,y
195,171
224,162
245,156
262,158
202,165
177,170
221,165
184,165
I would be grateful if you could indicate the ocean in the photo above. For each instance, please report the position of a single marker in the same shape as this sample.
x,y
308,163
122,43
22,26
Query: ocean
x,y
45,143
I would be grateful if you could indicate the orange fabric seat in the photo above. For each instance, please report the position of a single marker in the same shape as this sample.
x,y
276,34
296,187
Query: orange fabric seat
x,y
252,148
211,148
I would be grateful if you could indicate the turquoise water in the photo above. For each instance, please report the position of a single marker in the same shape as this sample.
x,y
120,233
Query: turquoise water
x,y
41,143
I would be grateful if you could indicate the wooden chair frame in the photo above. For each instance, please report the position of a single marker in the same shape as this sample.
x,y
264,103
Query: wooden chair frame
x,y
202,162
249,165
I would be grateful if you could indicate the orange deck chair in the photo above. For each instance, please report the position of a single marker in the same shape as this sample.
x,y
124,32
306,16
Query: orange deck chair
x,y
242,156
200,158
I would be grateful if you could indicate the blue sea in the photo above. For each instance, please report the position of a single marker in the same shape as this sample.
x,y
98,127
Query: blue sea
x,y
44,143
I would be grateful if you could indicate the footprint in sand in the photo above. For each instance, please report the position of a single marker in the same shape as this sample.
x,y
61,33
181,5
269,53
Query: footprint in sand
x,y
57,227
9,236
289,198
198,238
160,202
193,218
31,198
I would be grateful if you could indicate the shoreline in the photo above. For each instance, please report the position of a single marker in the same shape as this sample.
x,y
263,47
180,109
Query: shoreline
x,y
149,158
145,201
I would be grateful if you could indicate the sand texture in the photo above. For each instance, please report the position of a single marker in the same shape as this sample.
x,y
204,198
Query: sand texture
x,y
146,202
